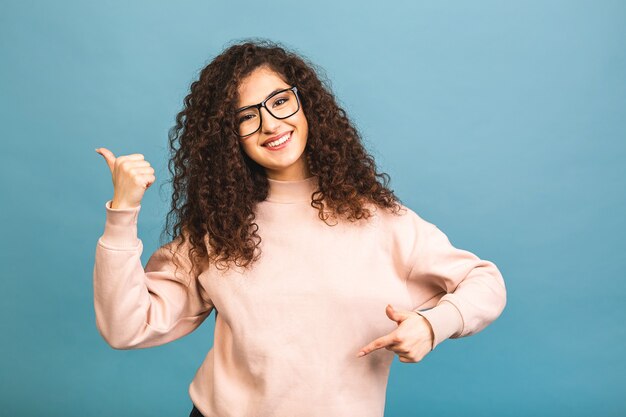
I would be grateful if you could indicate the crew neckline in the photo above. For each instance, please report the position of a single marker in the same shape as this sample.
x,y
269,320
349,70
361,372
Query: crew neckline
x,y
292,191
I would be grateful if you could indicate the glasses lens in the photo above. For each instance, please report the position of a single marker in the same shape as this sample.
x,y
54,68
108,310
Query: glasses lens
x,y
281,106
248,121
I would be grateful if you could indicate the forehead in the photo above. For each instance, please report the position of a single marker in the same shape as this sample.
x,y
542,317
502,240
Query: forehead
x,y
258,85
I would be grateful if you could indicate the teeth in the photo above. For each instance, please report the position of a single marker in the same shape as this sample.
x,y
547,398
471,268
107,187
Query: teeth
x,y
279,141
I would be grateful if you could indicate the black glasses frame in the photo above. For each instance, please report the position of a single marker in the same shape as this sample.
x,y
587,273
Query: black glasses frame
x,y
262,104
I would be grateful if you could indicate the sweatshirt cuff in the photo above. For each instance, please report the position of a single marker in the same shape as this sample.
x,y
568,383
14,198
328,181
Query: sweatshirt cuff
x,y
120,228
445,320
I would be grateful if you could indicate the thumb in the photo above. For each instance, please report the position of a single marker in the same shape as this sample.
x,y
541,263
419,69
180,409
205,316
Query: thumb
x,y
393,314
397,315
108,157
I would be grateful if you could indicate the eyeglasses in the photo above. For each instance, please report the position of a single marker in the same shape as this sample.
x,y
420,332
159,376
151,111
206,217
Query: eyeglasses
x,y
281,105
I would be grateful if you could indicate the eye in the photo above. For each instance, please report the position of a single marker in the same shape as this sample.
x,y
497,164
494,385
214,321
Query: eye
x,y
280,100
245,117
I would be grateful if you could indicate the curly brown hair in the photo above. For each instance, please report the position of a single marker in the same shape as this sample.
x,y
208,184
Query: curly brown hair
x,y
216,185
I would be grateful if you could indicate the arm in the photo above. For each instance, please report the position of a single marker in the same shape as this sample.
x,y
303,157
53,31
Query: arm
x,y
137,308
473,288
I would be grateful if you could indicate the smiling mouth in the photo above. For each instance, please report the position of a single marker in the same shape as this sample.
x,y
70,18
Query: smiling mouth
x,y
278,142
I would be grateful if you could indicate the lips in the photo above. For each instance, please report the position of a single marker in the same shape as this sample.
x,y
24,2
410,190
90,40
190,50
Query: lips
x,y
273,138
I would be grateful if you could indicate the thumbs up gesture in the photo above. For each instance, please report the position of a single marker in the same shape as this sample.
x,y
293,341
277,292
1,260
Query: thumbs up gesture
x,y
131,174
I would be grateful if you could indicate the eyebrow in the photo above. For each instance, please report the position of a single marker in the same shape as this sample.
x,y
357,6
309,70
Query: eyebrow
x,y
273,92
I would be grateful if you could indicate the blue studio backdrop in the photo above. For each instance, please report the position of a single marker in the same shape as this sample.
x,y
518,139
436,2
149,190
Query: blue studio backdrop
x,y
503,123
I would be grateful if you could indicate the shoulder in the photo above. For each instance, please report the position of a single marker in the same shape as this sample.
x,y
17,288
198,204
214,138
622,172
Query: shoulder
x,y
395,218
405,226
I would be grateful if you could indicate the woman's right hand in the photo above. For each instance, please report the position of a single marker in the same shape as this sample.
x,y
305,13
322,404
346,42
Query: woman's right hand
x,y
131,175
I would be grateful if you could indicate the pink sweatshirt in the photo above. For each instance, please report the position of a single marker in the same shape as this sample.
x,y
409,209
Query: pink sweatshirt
x,y
288,331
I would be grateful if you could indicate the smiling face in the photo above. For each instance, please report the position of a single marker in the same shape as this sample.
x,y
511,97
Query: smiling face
x,y
288,160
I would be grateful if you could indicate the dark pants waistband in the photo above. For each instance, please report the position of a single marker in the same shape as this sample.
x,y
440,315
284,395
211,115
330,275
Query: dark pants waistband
x,y
195,412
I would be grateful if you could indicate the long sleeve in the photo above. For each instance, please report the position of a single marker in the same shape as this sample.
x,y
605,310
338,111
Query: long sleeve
x,y
474,289
137,308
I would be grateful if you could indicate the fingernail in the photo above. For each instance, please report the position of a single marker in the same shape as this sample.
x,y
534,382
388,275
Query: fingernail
x,y
97,149
361,353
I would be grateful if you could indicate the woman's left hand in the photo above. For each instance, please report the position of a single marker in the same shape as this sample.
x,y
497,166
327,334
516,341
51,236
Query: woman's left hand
x,y
411,341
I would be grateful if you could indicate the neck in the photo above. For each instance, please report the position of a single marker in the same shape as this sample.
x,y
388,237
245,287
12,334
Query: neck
x,y
292,191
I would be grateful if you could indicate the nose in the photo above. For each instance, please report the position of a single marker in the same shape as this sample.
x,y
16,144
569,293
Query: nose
x,y
269,122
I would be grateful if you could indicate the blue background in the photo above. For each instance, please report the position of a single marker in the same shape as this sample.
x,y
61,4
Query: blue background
x,y
502,123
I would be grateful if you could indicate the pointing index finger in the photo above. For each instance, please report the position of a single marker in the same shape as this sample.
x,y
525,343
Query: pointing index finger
x,y
379,343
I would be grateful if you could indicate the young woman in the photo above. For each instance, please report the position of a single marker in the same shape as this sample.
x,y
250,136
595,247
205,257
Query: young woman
x,y
317,273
